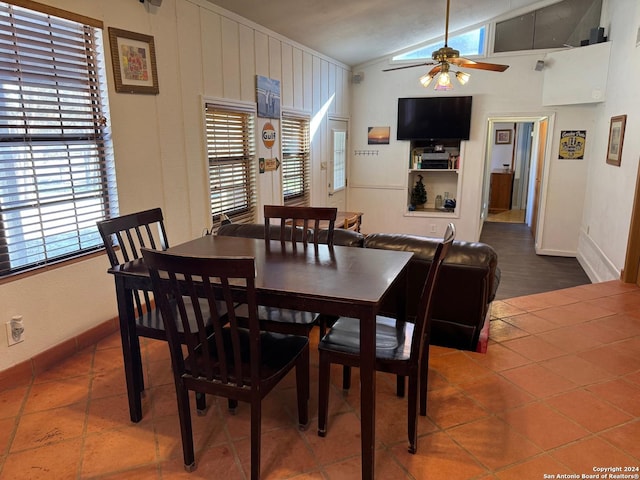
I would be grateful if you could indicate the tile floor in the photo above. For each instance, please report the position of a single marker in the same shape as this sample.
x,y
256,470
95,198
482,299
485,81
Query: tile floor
x,y
557,393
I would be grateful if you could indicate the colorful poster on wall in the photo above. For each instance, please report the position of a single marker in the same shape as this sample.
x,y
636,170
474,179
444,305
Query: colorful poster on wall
x,y
268,97
572,144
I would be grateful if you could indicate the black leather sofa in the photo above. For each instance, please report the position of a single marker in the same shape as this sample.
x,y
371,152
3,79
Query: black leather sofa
x,y
468,281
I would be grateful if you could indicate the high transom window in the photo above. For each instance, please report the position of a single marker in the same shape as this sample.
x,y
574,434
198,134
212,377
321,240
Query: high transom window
x,y
57,176
471,43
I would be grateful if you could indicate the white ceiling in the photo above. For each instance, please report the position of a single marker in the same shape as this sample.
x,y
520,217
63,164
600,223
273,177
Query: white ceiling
x,y
356,31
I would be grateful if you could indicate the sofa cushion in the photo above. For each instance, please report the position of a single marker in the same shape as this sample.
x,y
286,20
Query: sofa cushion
x,y
341,236
254,230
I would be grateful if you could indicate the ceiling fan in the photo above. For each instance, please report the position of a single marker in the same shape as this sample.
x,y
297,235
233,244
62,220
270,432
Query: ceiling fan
x,y
443,58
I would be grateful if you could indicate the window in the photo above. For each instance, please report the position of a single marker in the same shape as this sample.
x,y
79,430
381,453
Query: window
x,y
339,160
469,43
231,153
57,176
563,24
295,161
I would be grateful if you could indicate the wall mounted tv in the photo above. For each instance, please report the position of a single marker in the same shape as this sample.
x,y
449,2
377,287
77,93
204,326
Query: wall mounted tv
x,y
424,118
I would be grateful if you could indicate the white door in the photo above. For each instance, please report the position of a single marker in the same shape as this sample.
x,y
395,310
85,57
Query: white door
x,y
337,177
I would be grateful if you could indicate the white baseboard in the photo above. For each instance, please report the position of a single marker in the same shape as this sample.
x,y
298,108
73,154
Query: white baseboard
x,y
597,266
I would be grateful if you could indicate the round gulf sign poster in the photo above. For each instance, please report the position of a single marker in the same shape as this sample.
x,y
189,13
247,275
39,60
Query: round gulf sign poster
x,y
268,135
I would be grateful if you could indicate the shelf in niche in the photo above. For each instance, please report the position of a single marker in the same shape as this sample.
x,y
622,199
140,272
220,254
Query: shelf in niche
x,y
434,170
431,212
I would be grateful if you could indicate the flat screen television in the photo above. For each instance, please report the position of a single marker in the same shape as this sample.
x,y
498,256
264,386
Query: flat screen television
x,y
424,118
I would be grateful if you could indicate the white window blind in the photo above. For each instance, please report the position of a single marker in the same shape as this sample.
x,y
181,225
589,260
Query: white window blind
x,y
295,161
231,152
56,164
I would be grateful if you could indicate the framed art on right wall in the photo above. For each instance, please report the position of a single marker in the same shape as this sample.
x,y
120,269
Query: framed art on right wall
x,y
616,137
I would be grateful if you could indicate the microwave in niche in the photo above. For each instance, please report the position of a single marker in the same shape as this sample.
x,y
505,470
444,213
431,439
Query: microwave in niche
x,y
437,161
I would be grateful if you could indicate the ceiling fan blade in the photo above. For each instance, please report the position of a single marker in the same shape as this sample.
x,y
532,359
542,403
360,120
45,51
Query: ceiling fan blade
x,y
434,71
408,66
466,63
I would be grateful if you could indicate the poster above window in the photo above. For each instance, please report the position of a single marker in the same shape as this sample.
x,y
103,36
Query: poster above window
x,y
268,97
134,62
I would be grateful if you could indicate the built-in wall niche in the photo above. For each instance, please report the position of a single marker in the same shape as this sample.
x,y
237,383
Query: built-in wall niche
x,y
439,163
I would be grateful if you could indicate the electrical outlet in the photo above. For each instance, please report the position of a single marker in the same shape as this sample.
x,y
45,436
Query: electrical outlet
x,y
433,228
15,330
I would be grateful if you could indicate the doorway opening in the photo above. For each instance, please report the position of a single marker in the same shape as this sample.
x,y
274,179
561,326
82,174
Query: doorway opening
x,y
514,169
509,177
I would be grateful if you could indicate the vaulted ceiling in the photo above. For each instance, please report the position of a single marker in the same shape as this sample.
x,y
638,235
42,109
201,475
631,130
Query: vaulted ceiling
x,y
356,31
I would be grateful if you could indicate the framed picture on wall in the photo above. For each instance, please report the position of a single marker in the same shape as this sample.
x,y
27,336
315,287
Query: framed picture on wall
x,y
503,137
616,137
134,62
378,135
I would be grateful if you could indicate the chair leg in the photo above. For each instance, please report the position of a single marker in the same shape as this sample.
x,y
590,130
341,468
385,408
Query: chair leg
x,y
400,386
232,405
412,412
346,378
323,394
256,431
302,388
424,378
136,358
185,427
201,404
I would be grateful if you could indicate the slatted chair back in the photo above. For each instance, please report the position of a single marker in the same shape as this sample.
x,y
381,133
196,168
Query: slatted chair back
x,y
178,284
125,236
232,361
303,218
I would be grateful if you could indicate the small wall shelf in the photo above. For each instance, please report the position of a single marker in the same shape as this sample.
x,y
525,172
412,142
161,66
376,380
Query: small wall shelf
x,y
443,181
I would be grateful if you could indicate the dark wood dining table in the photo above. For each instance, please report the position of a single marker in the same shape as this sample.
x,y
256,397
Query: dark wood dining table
x,y
342,281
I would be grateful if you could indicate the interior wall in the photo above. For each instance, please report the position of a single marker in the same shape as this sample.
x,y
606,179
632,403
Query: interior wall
x,y
610,189
202,52
378,184
522,165
502,153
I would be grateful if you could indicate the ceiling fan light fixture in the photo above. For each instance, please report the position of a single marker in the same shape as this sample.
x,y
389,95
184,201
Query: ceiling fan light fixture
x,y
444,82
463,77
444,58
425,80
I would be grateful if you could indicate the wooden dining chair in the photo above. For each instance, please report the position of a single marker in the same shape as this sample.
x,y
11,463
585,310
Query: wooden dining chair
x,y
294,225
352,222
241,364
402,348
123,238
303,218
